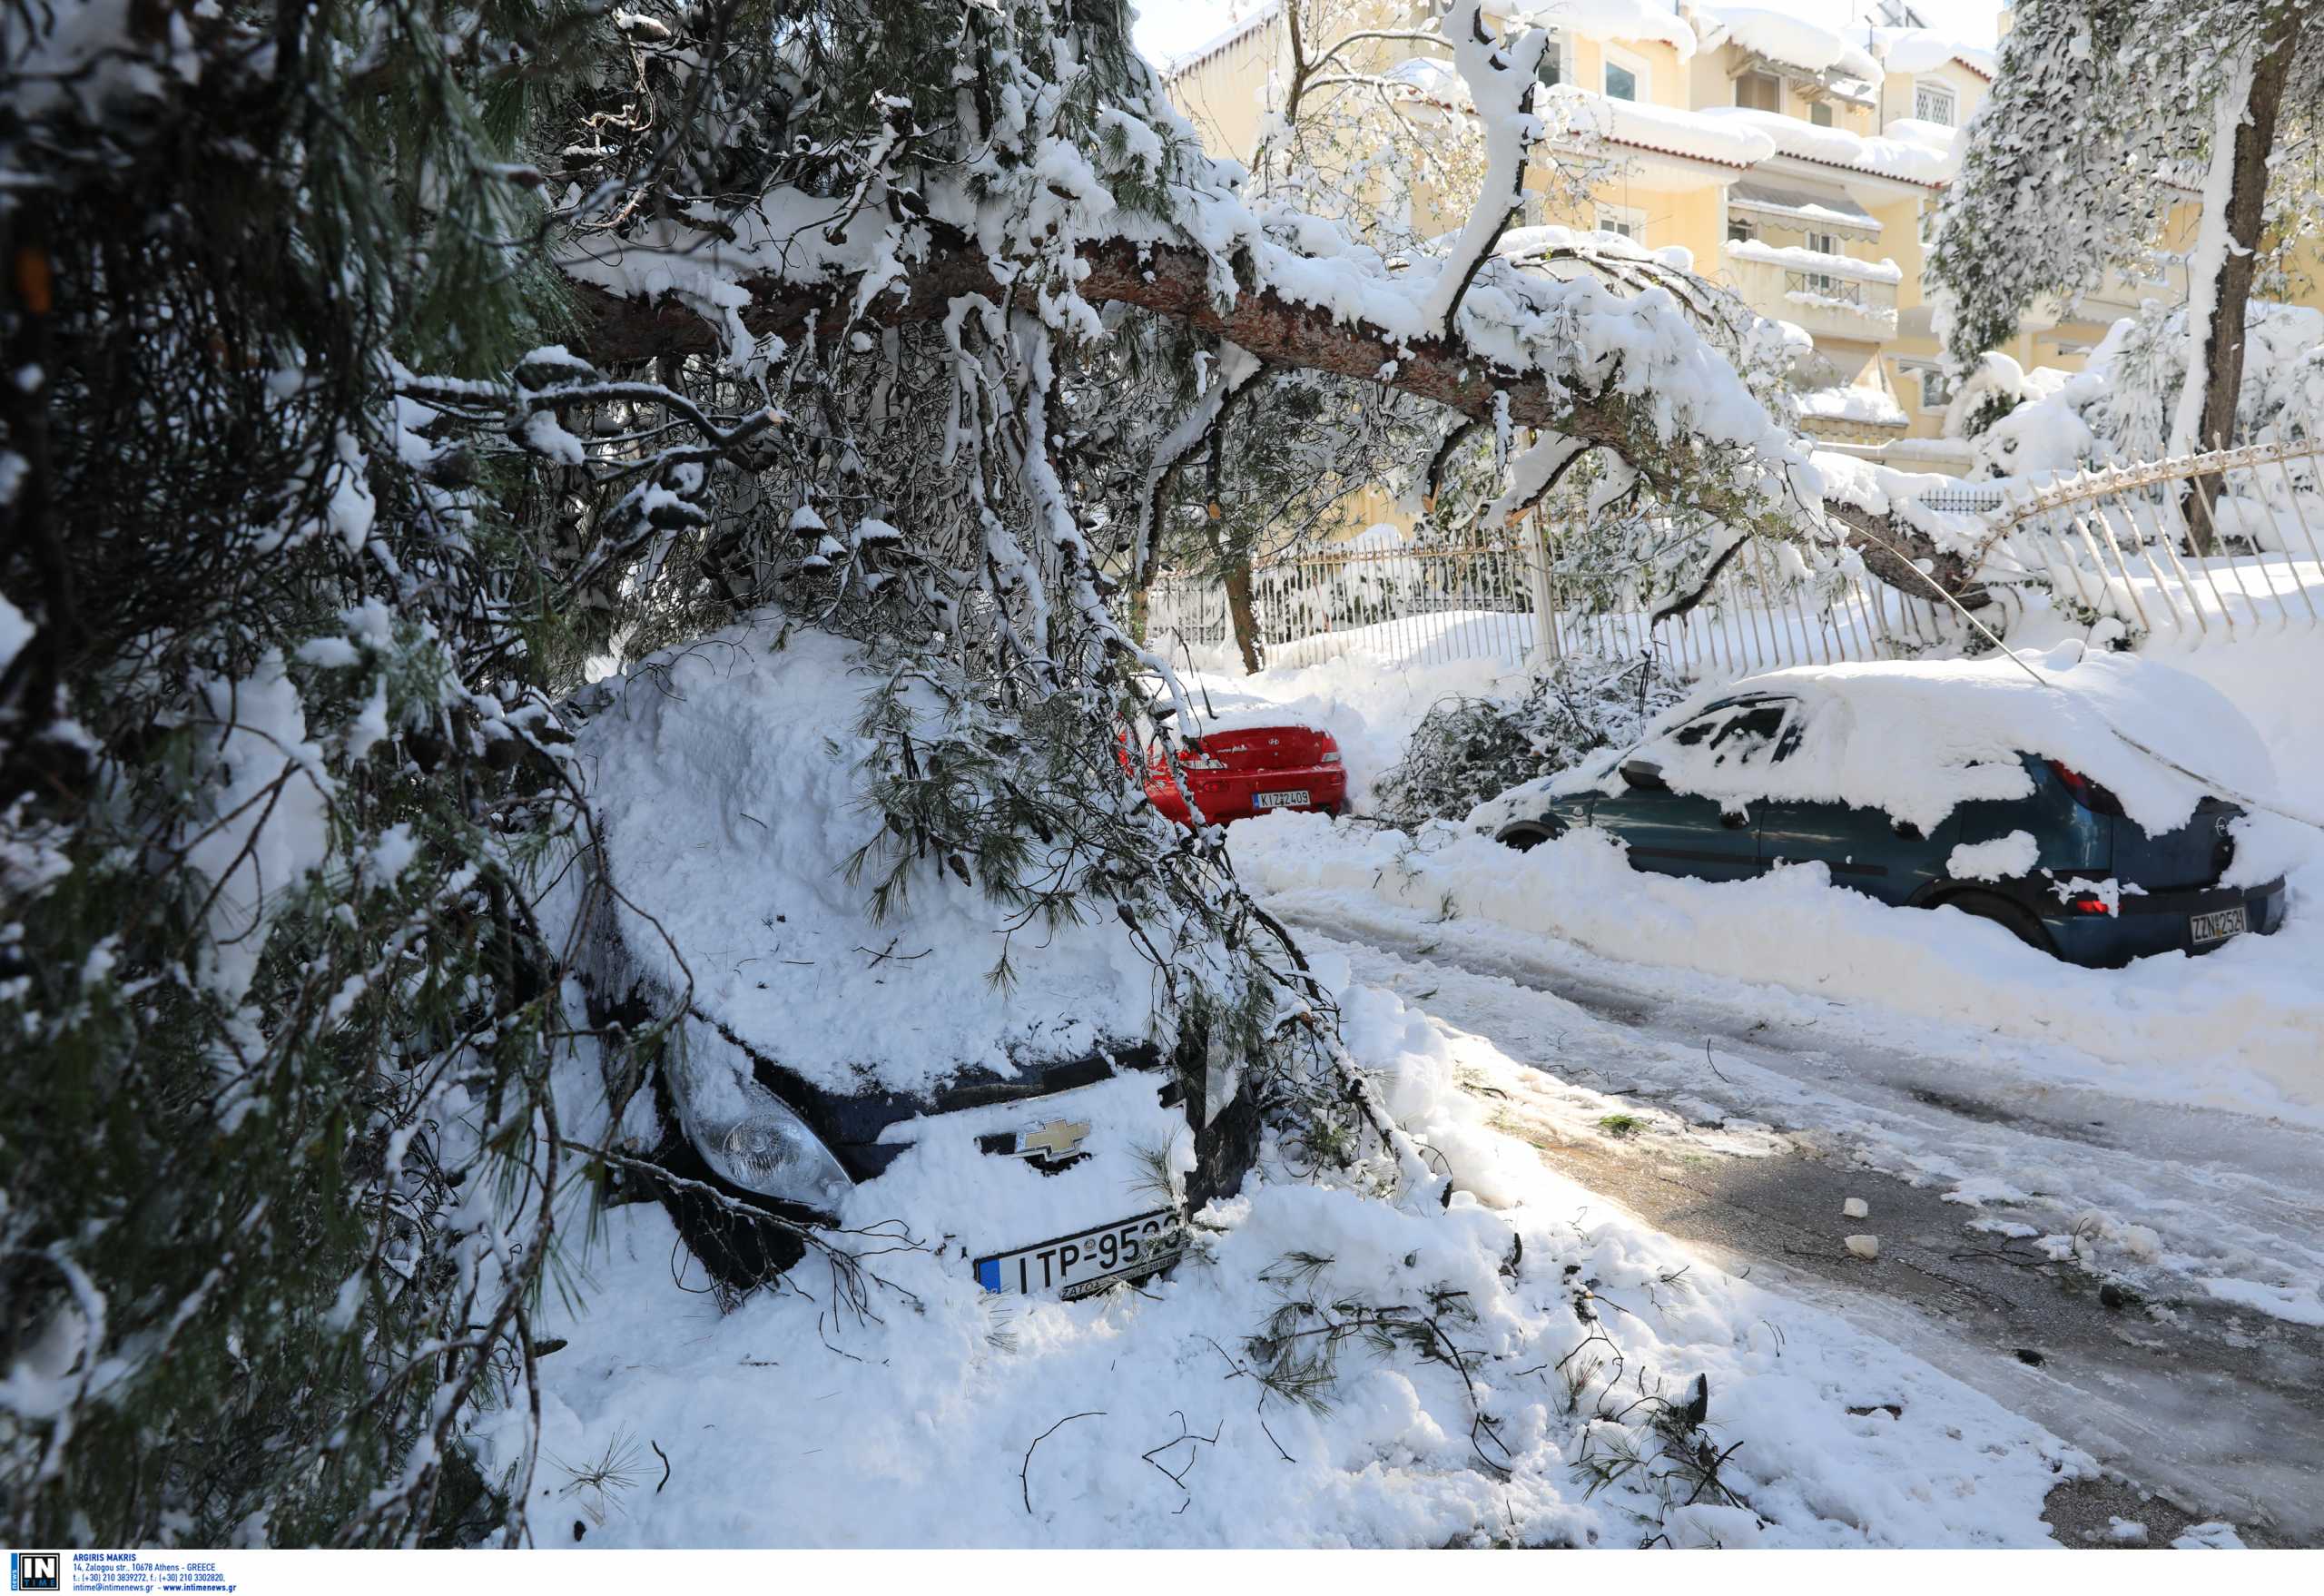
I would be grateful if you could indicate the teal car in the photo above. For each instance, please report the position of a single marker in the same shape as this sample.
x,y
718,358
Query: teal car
x,y
2092,888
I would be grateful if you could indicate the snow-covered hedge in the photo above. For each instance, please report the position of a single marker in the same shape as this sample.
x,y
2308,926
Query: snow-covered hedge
x,y
1467,749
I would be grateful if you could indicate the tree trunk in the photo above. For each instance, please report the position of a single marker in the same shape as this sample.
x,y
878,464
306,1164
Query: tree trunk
x,y
1238,610
2218,357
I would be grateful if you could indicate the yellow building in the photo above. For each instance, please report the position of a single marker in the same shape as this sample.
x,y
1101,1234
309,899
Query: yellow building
x,y
1796,165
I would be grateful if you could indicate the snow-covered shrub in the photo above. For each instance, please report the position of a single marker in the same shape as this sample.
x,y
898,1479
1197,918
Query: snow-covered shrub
x,y
1467,749
2118,409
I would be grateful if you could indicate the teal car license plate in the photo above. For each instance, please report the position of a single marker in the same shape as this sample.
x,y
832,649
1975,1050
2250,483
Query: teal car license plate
x,y
1089,1261
2217,926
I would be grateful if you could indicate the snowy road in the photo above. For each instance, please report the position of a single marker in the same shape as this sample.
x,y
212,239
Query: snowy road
x,y
2140,1275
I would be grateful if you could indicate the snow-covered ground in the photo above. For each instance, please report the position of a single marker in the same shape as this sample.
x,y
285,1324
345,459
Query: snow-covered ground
x,y
2237,1029
2155,1129
1489,1351
940,1415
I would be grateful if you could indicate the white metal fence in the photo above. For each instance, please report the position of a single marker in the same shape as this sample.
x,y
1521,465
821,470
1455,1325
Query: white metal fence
x,y
1412,606
2140,546
2136,544
1481,601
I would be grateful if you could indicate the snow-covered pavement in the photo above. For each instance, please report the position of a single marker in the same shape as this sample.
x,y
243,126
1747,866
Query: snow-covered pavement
x,y
2157,1262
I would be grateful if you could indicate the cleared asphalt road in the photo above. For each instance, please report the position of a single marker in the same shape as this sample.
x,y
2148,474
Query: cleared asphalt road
x,y
2205,1409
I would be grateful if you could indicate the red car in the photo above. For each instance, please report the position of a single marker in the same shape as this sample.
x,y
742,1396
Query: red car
x,y
1245,771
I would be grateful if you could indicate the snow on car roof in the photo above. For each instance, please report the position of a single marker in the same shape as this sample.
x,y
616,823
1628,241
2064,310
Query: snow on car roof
x,y
725,781
1915,738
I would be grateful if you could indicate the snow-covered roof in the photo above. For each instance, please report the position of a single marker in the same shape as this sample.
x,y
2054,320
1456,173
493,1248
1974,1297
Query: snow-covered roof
x,y
1920,50
1812,212
1233,34
1788,39
1662,130
1634,21
1903,154
1665,129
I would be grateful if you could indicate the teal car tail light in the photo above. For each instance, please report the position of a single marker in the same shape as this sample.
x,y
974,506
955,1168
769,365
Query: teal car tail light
x,y
2086,792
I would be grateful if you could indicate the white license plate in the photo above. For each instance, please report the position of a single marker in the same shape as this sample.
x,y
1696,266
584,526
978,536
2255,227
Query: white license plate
x,y
1291,800
2217,926
1076,1265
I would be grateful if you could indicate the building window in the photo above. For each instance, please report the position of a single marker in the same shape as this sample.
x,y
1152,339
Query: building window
x,y
1622,218
1625,77
1935,393
1740,230
1823,283
1819,112
1933,103
1552,71
1758,90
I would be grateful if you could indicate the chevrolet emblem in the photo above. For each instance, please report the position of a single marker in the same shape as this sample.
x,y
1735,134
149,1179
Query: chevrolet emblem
x,y
1060,1138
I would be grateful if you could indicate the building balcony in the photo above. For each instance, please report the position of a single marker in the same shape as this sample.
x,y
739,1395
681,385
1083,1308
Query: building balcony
x,y
1828,296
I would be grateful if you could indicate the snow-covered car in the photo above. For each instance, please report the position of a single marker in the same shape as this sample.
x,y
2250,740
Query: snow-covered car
x,y
2004,792
1242,766
1051,1133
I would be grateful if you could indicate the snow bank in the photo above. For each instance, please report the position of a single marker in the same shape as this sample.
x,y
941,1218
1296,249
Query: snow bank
x,y
953,1418
2242,1028
1915,738
726,780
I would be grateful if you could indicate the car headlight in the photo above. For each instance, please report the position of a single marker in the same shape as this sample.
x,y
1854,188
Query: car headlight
x,y
770,1151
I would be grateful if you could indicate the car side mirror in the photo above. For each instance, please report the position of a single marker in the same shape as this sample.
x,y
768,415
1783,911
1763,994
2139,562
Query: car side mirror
x,y
1645,774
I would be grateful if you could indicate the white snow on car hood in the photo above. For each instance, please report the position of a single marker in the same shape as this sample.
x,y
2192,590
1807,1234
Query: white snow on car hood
x,y
1915,738
725,781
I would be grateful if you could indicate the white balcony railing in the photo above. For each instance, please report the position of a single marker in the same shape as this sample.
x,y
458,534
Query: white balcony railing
x,y
1835,303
